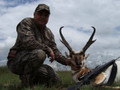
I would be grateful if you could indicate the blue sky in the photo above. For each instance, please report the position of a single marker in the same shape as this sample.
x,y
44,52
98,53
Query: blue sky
x,y
77,16
13,3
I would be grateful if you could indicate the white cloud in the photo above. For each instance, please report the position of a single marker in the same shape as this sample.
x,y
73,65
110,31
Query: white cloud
x,y
77,16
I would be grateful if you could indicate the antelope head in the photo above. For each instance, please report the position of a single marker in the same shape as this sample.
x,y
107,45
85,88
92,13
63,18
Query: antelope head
x,y
77,57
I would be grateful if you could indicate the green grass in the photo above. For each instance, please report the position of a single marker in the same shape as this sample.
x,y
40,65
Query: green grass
x,y
10,81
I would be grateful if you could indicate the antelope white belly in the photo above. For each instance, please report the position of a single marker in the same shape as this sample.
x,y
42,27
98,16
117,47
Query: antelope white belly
x,y
108,72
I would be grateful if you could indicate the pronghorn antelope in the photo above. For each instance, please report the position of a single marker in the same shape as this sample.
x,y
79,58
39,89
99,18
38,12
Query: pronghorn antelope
x,y
78,59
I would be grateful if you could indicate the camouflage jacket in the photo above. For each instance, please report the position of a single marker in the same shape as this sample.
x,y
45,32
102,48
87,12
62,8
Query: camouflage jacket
x,y
30,37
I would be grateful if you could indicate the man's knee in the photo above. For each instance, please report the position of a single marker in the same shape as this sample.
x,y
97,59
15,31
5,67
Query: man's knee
x,y
41,55
39,59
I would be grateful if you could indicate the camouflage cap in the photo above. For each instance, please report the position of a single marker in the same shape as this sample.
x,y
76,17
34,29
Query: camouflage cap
x,y
42,7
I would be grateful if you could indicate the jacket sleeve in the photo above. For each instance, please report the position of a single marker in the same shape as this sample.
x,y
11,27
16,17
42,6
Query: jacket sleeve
x,y
58,55
27,37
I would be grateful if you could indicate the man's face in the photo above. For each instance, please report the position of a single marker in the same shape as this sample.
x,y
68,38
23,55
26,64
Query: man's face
x,y
41,18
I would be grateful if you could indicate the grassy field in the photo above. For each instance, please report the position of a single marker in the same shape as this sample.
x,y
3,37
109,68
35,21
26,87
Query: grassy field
x,y
10,81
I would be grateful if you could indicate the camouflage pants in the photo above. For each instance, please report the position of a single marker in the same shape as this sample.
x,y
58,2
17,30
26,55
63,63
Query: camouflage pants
x,y
29,65
45,75
26,62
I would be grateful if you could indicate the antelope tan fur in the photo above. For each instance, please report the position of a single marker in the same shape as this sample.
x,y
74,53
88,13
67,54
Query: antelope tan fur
x,y
78,59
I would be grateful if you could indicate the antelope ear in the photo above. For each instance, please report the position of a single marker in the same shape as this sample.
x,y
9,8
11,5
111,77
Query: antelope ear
x,y
86,56
67,55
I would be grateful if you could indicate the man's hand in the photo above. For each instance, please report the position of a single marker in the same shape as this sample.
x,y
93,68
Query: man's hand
x,y
68,61
52,56
72,64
